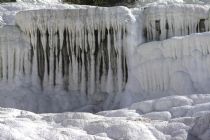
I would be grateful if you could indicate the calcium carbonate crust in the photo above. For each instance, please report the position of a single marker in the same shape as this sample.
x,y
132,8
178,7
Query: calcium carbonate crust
x,y
151,61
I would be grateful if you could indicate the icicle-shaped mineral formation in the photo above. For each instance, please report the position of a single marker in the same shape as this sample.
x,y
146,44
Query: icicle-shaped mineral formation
x,y
100,52
13,54
175,66
165,21
79,49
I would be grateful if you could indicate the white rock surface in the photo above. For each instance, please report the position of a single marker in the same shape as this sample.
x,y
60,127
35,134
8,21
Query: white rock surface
x,y
106,125
175,66
159,83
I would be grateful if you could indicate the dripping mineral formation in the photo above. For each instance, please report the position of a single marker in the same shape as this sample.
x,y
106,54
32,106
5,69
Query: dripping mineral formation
x,y
82,50
78,50
152,61
102,57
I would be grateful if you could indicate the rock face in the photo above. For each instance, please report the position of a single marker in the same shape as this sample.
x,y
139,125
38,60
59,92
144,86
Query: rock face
x,y
85,54
108,57
153,60
201,128
132,123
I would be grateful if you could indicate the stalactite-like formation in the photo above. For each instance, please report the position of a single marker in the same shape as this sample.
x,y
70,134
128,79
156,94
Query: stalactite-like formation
x,y
13,54
82,50
87,55
179,65
165,21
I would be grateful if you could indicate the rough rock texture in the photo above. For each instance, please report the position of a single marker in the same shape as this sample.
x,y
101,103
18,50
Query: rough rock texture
x,y
105,57
129,124
151,60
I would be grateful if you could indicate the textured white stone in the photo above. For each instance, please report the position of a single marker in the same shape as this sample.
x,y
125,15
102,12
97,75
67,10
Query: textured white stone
x,y
165,78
